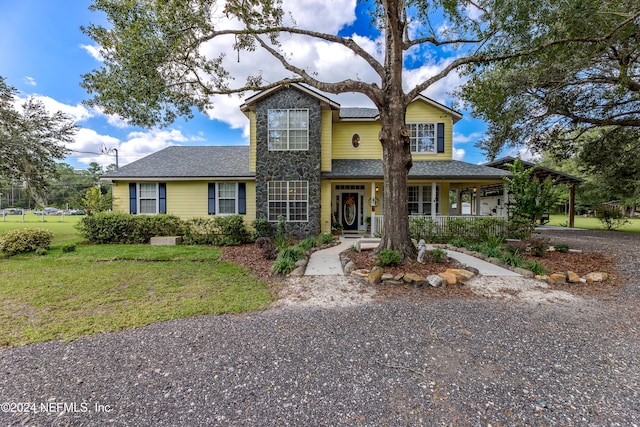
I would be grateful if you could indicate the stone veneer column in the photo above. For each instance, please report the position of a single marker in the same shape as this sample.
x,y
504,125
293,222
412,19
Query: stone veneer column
x,y
289,165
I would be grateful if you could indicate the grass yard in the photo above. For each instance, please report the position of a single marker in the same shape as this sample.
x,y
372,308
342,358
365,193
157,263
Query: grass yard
x,y
63,229
101,288
592,223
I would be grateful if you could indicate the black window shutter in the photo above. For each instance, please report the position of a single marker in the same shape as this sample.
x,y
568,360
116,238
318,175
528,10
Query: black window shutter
x,y
440,132
133,203
242,198
162,197
212,198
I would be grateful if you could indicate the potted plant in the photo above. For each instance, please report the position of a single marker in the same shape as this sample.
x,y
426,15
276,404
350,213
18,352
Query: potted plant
x,y
336,228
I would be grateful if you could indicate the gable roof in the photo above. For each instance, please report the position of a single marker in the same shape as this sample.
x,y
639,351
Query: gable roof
x,y
188,163
423,169
250,102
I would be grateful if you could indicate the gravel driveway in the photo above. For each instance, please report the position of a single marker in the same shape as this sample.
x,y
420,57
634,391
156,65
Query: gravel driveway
x,y
407,362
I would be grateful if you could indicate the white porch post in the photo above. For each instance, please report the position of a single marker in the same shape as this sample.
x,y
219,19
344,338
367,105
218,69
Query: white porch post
x,y
433,200
505,202
373,212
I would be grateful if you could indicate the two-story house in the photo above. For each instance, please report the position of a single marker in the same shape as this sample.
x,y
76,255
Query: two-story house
x,y
309,160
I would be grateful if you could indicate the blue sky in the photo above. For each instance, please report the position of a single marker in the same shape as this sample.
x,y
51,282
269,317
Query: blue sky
x,y
43,53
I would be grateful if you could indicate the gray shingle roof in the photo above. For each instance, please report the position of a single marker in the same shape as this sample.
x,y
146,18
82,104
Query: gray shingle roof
x,y
427,169
358,113
189,162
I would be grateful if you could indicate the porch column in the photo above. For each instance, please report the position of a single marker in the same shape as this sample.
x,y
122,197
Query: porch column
x,y
458,202
477,201
433,200
373,211
505,202
572,202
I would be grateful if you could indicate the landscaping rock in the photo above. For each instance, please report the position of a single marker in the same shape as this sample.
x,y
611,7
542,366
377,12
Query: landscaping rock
x,y
449,278
392,282
557,278
398,276
524,272
349,268
364,273
460,274
596,277
375,276
473,270
301,263
572,277
495,261
435,281
299,271
166,240
387,276
412,278
544,277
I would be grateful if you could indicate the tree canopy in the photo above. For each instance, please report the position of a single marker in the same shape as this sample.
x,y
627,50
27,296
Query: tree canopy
x,y
163,58
31,140
549,99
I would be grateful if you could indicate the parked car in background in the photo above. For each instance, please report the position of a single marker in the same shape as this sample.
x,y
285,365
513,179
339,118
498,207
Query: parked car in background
x,y
12,211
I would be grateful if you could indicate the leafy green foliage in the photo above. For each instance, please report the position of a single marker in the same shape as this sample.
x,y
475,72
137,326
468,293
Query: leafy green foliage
x,y
388,258
308,243
283,266
24,240
69,247
561,247
126,228
220,230
438,254
424,228
262,228
94,201
536,267
267,248
611,217
293,253
324,239
32,141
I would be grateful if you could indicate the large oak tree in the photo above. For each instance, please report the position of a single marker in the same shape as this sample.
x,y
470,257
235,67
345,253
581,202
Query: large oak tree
x,y
157,67
31,140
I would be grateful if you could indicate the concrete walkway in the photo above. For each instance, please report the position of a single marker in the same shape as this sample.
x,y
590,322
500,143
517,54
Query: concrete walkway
x,y
326,262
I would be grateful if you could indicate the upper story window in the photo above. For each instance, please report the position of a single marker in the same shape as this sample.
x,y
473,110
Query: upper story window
x,y
422,137
355,140
288,129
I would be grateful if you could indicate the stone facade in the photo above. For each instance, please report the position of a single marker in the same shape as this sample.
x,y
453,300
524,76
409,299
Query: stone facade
x,y
289,165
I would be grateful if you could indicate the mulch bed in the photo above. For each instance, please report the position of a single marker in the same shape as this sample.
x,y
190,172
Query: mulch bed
x,y
249,256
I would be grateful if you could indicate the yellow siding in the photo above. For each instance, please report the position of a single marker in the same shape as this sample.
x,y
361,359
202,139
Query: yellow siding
x,y
325,163
370,147
185,199
325,203
252,141
444,198
420,111
120,197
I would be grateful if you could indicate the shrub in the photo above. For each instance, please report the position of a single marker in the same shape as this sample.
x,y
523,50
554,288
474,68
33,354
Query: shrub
x,y
69,247
23,240
127,228
268,249
513,259
519,228
561,247
388,258
611,217
262,228
41,251
220,230
423,228
324,239
536,267
307,243
283,266
458,242
293,253
538,245
438,254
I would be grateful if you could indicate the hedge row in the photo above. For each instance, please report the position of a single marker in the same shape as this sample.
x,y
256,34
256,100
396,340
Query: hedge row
x,y
478,230
126,228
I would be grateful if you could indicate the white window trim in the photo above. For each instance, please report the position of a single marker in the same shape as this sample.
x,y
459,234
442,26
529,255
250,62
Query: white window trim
x,y
218,213
288,202
288,129
139,198
435,138
421,200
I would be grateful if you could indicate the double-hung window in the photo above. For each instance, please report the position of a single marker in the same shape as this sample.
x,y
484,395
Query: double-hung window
x,y
419,199
422,137
288,129
148,199
289,199
227,198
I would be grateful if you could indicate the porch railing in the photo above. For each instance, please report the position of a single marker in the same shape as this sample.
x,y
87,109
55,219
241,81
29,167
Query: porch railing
x,y
440,220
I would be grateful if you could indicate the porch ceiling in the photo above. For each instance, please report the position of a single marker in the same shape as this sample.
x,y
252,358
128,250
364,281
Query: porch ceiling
x,y
423,169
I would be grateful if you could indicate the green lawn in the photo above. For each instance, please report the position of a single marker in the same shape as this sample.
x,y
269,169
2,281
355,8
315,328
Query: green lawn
x,y
100,288
592,223
62,228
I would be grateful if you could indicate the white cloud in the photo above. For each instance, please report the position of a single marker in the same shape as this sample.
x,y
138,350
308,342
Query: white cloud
x,y
473,137
141,144
88,146
94,51
30,81
78,112
458,153
524,153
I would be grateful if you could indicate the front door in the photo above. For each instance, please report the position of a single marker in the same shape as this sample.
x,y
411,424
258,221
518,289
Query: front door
x,y
350,211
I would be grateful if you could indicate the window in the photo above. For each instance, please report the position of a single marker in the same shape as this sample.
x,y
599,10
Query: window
x,y
422,137
419,199
288,129
289,199
227,198
148,199
355,140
